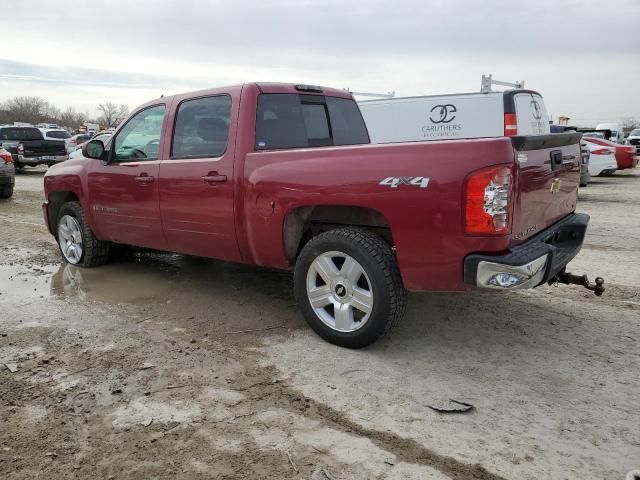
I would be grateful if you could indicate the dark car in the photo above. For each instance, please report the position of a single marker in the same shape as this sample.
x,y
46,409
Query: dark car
x,y
7,174
29,148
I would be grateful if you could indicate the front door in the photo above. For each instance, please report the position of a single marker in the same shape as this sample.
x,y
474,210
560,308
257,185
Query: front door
x,y
124,192
196,181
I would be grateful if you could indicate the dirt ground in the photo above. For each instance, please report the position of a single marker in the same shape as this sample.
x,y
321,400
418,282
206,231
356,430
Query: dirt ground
x,y
165,366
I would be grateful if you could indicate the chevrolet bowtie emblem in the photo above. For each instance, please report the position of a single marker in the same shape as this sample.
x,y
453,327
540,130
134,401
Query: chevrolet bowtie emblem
x,y
555,186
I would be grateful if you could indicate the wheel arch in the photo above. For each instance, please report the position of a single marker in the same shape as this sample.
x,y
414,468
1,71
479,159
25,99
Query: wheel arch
x,y
304,222
56,200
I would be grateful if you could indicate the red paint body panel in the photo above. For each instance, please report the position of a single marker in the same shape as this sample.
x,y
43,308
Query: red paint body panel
x,y
242,219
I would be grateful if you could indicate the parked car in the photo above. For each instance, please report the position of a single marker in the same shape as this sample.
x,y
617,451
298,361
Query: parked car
x,y
602,159
76,141
56,134
625,154
467,115
29,148
77,150
617,131
584,153
7,174
634,139
283,176
585,156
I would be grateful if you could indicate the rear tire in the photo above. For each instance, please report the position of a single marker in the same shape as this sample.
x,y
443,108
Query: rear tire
x,y
6,191
73,231
355,282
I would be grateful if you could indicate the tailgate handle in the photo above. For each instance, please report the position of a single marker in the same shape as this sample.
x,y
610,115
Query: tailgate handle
x,y
556,159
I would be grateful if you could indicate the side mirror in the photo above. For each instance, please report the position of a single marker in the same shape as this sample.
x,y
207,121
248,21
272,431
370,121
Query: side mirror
x,y
93,149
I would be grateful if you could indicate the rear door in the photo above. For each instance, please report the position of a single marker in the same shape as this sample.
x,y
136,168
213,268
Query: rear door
x,y
123,193
547,176
196,181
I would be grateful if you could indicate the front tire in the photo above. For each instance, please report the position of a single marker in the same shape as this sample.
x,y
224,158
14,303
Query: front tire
x,y
78,245
349,288
6,191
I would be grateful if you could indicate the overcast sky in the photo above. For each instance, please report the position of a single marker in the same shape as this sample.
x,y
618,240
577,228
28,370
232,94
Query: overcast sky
x,y
582,55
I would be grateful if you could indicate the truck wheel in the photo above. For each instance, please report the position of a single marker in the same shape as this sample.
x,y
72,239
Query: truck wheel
x,y
6,191
349,288
78,245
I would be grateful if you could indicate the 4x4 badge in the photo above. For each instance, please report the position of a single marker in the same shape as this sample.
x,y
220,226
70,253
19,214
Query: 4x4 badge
x,y
555,185
395,182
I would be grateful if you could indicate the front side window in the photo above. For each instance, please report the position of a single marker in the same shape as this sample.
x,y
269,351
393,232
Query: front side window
x,y
139,139
299,121
202,127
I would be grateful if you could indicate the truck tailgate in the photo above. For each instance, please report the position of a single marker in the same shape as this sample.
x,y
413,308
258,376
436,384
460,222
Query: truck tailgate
x,y
548,176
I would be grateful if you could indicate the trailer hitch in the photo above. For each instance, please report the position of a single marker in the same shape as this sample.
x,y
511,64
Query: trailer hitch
x,y
571,279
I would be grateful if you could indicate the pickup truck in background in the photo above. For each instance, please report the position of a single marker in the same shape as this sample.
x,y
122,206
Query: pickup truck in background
x,y
28,147
284,176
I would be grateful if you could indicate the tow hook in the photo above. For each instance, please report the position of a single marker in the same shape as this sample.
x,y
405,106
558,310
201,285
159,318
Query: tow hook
x,y
571,279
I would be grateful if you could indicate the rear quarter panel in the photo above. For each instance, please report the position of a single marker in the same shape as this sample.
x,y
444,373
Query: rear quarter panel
x,y
426,223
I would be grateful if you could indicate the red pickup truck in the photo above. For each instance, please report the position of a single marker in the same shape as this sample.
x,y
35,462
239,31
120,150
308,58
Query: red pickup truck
x,y
283,176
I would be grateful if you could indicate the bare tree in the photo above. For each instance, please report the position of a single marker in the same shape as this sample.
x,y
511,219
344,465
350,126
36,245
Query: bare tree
x,y
123,112
68,118
629,123
112,115
109,113
26,109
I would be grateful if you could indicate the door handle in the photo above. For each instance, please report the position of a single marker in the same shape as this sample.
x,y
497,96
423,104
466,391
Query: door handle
x,y
144,178
214,177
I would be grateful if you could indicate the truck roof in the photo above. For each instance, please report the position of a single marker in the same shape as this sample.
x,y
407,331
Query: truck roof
x,y
264,87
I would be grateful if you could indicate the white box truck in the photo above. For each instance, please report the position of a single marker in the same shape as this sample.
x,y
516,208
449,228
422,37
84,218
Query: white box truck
x,y
466,115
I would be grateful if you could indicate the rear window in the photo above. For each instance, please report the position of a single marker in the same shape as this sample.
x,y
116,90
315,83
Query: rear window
x,y
58,134
531,114
300,121
20,133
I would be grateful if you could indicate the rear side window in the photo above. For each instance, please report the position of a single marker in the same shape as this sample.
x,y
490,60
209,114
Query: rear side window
x,y
18,133
300,121
202,127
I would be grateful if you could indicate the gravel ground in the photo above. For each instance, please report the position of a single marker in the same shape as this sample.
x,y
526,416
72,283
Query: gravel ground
x,y
166,366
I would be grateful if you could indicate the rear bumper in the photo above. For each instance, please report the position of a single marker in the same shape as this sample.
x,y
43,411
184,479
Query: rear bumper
x,y
40,160
532,263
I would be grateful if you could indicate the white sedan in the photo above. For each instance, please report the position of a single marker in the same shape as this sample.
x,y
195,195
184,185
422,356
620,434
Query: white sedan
x,y
602,160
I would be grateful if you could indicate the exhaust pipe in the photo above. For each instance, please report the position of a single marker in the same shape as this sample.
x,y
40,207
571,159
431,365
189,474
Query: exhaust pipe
x,y
570,279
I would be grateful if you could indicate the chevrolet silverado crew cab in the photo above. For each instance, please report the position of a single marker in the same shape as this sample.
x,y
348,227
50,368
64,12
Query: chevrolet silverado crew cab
x,y
284,176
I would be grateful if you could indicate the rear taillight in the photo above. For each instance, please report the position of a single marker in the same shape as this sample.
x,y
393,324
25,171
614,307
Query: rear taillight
x,y
20,148
487,201
628,149
510,125
74,141
601,151
6,157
